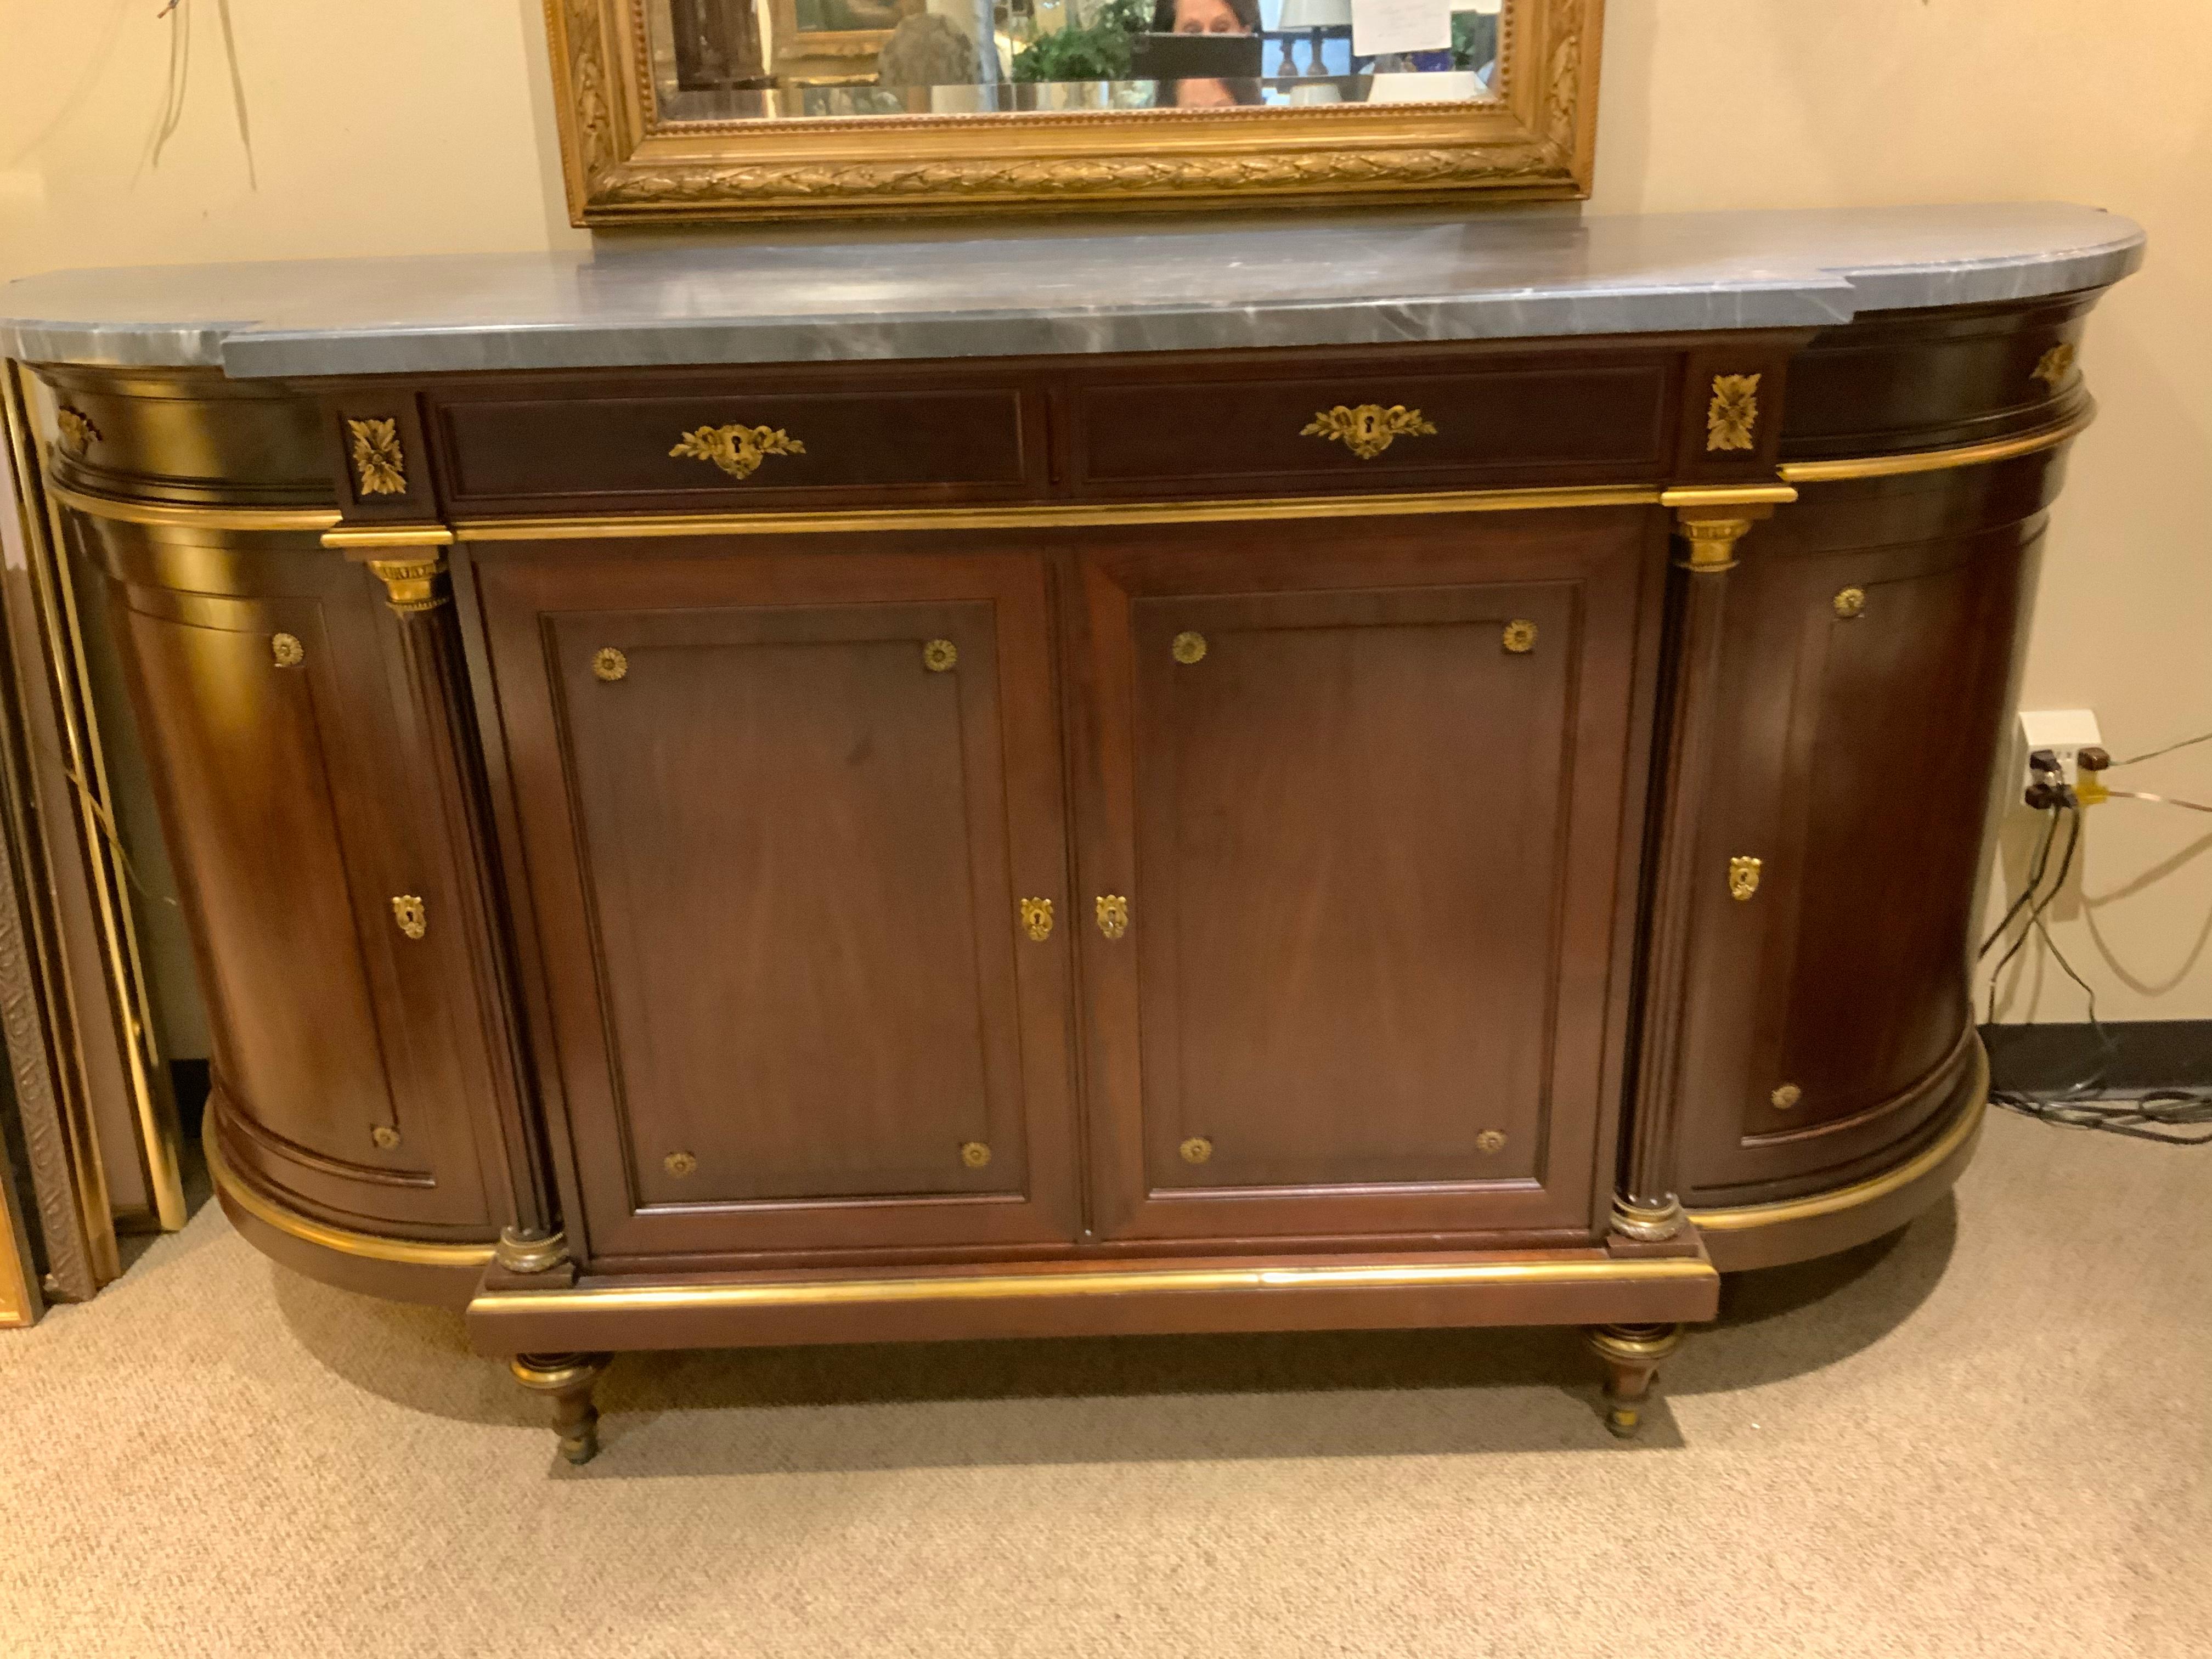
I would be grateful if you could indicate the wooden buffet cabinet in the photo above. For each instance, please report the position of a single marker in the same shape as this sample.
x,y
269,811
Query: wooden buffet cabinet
x,y
1213,840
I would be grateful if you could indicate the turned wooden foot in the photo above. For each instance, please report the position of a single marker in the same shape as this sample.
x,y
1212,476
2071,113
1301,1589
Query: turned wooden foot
x,y
1631,1354
568,1379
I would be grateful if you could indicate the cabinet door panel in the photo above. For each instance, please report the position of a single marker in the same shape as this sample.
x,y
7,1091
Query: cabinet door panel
x,y
1919,655
338,1060
778,864
1372,858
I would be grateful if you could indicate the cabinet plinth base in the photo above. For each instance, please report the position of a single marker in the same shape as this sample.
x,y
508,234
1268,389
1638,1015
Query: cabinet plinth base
x,y
1560,1287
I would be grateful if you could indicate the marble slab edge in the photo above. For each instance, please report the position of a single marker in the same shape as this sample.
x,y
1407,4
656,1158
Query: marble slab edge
x,y
1793,289
464,348
118,345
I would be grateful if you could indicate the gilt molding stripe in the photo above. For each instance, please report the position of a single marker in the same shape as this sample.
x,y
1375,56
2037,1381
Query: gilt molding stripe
x,y
327,522
1041,514
1963,1128
185,515
1109,1282
417,1252
1938,460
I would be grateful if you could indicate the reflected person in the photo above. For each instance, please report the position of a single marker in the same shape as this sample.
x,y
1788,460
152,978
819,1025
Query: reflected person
x,y
1205,17
1210,94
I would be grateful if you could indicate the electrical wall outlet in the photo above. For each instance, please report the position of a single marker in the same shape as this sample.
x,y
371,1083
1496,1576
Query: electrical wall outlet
x,y
2065,732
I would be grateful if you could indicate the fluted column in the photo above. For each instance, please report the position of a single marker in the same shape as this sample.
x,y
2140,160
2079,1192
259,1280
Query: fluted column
x,y
1710,524
410,563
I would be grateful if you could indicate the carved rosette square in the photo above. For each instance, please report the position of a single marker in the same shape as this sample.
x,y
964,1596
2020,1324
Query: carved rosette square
x,y
378,468
1732,415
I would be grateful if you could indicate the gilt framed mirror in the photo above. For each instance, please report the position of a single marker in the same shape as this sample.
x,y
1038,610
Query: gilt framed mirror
x,y
766,109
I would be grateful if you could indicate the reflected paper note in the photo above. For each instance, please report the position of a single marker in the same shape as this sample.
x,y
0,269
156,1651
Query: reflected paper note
x,y
1386,26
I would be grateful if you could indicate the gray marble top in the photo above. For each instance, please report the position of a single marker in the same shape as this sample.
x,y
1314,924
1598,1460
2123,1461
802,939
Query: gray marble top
x,y
1318,281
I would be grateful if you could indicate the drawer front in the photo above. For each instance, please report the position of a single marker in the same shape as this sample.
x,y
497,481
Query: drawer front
x,y
781,814
1388,430
577,449
1886,385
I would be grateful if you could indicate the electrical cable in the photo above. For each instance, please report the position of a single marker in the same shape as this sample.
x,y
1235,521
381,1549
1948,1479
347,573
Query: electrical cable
x,y
2040,902
2148,1118
2162,800
2168,1108
2185,742
2027,892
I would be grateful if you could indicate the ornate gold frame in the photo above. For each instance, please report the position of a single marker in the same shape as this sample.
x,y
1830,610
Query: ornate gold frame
x,y
624,164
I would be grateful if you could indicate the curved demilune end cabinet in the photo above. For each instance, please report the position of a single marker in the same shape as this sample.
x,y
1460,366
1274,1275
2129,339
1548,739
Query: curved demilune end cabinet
x,y
1436,835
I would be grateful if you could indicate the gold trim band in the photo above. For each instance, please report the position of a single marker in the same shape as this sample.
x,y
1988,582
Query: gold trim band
x,y
1043,515
413,1252
180,515
1938,460
177,515
1689,497
1929,1158
996,1287
395,535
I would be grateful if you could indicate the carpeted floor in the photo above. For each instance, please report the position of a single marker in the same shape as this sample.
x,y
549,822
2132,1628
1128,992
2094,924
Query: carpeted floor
x,y
1987,1435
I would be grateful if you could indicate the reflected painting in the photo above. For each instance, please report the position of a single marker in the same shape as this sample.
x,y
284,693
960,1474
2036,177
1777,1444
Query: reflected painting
x,y
753,60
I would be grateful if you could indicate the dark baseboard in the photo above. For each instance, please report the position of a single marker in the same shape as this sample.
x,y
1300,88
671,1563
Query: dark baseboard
x,y
2049,1062
189,1078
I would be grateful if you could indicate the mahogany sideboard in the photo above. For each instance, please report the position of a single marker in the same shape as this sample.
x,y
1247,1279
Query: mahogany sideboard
x,y
772,821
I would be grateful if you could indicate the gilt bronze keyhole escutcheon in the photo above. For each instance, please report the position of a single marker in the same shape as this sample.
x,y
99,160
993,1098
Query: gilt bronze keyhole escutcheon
x,y
1036,919
1368,429
1743,877
1113,914
737,450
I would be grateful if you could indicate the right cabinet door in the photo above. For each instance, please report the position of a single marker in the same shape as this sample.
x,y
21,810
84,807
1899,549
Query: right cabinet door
x,y
1355,802
1862,707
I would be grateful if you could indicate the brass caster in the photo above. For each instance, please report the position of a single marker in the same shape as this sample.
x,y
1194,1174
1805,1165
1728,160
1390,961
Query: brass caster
x,y
1631,1354
568,1377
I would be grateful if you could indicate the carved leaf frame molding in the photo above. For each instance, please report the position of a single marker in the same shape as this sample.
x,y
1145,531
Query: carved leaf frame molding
x,y
624,164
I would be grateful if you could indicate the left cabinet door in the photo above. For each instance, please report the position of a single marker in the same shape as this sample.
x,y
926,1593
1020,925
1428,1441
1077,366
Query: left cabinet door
x,y
290,777
790,819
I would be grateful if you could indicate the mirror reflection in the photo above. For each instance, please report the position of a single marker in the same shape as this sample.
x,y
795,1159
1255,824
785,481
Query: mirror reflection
x,y
724,60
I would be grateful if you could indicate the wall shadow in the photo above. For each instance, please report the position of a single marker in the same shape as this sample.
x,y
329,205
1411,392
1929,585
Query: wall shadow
x,y
1127,1398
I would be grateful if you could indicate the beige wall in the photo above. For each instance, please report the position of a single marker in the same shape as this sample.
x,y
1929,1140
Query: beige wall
x,y
425,125
1772,103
